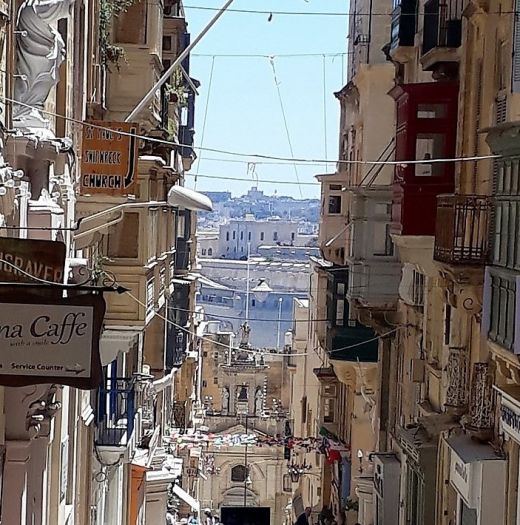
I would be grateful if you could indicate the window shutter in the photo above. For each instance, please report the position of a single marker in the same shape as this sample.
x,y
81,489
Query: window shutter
x,y
515,68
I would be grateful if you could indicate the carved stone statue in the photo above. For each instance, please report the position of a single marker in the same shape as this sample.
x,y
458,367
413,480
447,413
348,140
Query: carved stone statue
x,y
244,334
259,401
225,400
40,50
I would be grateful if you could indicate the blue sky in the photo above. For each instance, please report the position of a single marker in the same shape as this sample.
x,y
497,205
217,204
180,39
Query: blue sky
x,y
244,113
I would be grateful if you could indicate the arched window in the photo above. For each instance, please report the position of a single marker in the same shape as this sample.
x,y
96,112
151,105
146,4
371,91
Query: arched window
x,y
210,251
238,473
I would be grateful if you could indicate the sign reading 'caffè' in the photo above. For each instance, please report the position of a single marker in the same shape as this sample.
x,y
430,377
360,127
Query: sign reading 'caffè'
x,y
45,340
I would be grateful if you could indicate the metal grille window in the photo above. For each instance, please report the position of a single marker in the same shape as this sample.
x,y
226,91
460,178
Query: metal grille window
x,y
418,289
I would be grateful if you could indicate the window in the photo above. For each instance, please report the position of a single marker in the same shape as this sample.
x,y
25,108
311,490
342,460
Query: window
x,y
253,302
210,251
293,236
328,409
203,251
506,242
234,235
131,24
238,474
432,110
383,245
204,383
262,236
418,289
167,43
287,484
335,187
215,380
334,204
503,309
275,236
429,146
227,236
248,236
241,236
304,409
447,324
123,243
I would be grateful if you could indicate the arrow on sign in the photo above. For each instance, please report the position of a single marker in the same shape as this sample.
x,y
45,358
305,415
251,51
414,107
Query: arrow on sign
x,y
77,369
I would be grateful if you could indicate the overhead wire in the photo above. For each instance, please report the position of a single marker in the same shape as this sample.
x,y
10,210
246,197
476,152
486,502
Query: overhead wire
x,y
284,117
277,55
205,117
328,13
474,158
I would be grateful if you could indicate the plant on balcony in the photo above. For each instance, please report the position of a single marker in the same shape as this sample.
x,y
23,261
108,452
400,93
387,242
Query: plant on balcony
x,y
108,10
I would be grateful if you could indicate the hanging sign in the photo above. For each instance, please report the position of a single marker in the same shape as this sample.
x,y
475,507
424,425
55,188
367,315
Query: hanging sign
x,y
20,258
50,340
109,158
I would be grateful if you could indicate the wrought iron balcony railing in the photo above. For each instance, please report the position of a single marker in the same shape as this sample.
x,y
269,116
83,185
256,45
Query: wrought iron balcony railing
x,y
461,233
115,412
457,372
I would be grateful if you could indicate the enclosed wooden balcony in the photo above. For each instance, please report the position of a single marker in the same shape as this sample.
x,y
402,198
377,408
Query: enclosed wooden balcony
x,y
442,33
461,233
403,29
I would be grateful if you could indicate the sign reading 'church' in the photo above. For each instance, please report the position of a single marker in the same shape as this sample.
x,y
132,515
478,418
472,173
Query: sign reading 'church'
x,y
108,158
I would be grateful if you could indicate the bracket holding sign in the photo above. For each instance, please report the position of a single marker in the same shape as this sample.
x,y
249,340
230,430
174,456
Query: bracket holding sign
x,y
109,158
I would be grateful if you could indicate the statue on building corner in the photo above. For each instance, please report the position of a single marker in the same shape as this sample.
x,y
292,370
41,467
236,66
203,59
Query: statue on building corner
x,y
245,330
225,400
40,50
259,402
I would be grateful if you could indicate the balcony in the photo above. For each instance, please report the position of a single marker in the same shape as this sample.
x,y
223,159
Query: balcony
x,y
403,29
346,339
442,33
182,255
457,375
461,232
115,414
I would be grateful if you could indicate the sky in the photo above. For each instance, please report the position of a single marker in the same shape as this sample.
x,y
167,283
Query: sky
x,y
244,113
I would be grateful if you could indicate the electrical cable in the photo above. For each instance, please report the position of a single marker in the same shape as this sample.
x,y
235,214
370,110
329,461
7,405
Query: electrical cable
x,y
291,160
267,181
330,13
287,55
205,117
284,117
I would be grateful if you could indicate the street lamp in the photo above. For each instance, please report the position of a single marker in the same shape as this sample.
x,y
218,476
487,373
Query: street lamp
x,y
280,301
297,470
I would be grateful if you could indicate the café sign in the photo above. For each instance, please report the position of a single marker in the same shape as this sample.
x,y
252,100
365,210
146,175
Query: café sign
x,y
108,158
45,340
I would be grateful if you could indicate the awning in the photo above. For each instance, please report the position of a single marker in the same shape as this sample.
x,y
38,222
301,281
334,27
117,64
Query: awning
x,y
113,342
181,493
181,197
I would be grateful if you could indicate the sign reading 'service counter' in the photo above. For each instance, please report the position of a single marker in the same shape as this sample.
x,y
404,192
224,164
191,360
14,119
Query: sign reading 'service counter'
x,y
108,158
50,341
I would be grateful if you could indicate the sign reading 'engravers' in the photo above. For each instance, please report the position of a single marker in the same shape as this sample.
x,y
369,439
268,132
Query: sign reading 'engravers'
x,y
20,258
108,158
50,341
